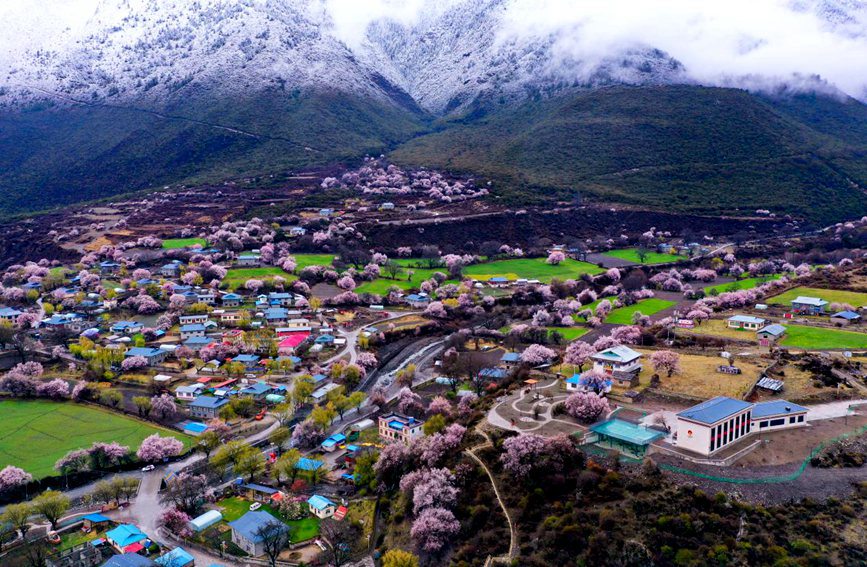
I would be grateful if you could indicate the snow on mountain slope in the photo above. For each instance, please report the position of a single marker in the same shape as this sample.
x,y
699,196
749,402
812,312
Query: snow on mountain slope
x,y
157,51
443,53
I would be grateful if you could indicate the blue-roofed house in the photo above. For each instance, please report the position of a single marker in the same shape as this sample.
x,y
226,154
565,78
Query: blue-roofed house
x,y
198,343
325,340
93,520
276,315
108,267
333,442
170,270
746,322
777,414
399,427
231,299
248,260
809,305
207,407
498,281
257,390
128,560
125,536
621,363
248,360
154,356
492,374
417,300
126,327
321,507
178,557
247,531
510,359
713,424
769,334
9,315
192,330
846,318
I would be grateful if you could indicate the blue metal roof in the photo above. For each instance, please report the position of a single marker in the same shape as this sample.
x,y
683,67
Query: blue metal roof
x,y
143,351
175,558
775,408
192,327
714,410
510,357
848,315
775,330
209,402
747,319
249,524
305,464
128,560
320,502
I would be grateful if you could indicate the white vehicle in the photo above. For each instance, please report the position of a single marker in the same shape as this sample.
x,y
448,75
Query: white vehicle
x,y
319,544
255,506
148,468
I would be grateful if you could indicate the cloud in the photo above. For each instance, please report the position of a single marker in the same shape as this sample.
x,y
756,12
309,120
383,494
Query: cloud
x,y
715,40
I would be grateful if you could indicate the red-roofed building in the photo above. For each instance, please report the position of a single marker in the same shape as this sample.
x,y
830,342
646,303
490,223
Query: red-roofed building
x,y
292,341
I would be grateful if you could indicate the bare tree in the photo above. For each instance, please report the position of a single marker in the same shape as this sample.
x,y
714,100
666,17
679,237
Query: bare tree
x,y
274,536
338,538
185,491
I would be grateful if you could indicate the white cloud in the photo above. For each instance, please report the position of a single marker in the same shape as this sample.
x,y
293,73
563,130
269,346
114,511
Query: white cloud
x,y
715,40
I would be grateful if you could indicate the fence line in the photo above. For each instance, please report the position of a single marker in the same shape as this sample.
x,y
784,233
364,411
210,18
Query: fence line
x,y
769,479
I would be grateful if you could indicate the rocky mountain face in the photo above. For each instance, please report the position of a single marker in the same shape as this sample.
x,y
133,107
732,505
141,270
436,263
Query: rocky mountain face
x,y
549,98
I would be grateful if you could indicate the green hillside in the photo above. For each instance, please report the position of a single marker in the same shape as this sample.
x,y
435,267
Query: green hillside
x,y
51,155
678,148
682,148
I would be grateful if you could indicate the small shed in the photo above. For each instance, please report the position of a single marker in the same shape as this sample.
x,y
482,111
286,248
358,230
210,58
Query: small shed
x,y
94,520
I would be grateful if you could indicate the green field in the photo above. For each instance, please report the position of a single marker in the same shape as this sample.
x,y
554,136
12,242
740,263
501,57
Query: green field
x,y
37,433
381,285
570,333
623,315
532,269
631,255
172,243
236,277
305,260
853,298
821,338
746,283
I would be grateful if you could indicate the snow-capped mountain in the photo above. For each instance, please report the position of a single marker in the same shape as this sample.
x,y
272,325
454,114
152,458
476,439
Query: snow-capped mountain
x,y
448,54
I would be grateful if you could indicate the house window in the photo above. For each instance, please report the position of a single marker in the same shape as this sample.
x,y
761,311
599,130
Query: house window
x,y
776,422
800,419
792,419
763,424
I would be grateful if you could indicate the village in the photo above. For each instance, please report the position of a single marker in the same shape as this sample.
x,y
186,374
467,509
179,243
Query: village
x,y
257,392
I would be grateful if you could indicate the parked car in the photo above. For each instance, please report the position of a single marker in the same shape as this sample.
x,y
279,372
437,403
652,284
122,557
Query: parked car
x,y
148,468
53,538
319,544
255,506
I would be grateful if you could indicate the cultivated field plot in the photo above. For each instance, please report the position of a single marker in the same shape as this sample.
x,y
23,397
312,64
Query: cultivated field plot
x,y
854,298
570,333
405,322
698,377
410,278
37,433
720,328
631,255
746,283
623,315
236,277
305,260
531,269
822,338
173,243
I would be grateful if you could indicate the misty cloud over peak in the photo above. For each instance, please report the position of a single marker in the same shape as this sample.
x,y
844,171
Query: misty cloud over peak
x,y
443,53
